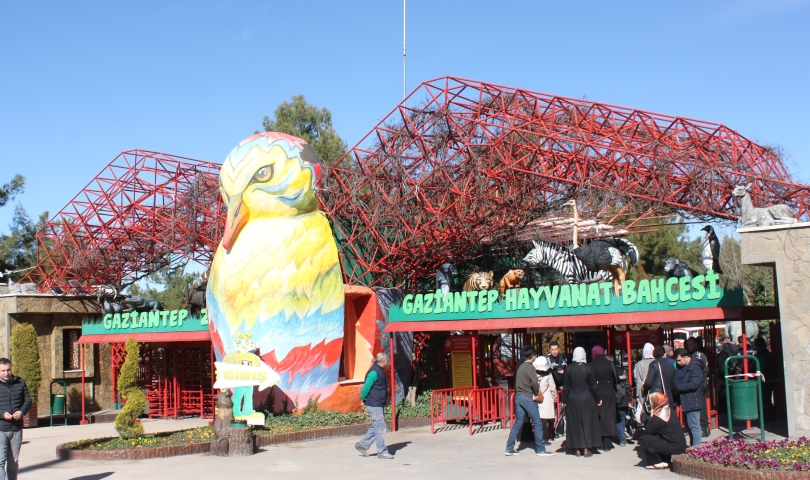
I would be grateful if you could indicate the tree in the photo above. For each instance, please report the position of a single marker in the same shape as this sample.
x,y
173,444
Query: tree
x,y
667,241
18,250
169,285
126,423
305,121
12,189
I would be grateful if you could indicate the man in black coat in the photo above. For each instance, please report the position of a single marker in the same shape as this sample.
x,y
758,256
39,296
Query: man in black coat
x,y
690,385
694,345
663,365
557,362
15,401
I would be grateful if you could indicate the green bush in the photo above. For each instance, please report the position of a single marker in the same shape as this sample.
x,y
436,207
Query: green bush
x,y
126,423
25,357
405,410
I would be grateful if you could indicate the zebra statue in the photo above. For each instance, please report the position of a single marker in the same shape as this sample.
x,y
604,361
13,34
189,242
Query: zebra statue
x,y
564,261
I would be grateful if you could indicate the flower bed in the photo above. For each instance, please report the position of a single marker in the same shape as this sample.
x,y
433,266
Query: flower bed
x,y
165,439
787,455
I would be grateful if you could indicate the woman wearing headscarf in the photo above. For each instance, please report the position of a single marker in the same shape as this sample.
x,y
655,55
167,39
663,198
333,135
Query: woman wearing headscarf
x,y
641,369
549,390
605,375
580,399
663,434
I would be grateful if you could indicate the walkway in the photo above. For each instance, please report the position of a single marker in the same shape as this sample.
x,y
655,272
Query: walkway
x,y
448,454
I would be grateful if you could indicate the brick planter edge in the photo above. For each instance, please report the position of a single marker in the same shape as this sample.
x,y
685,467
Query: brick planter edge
x,y
261,441
715,472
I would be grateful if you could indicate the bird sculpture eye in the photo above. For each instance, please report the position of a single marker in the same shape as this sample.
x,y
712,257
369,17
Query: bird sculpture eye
x,y
263,174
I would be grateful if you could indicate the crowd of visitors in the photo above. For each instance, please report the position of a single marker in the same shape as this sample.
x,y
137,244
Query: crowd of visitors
x,y
599,408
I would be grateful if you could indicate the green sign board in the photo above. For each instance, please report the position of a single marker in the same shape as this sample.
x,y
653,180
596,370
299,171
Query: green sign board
x,y
146,322
703,291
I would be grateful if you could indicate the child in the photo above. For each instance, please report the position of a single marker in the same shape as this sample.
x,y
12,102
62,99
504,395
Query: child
x,y
549,390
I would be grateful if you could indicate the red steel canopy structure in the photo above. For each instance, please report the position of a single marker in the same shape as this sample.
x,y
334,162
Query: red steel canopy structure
x,y
458,166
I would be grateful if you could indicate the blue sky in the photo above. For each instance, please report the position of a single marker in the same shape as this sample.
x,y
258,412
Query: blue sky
x,y
81,81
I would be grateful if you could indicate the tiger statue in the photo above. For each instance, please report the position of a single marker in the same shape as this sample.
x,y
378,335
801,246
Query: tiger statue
x,y
478,281
510,280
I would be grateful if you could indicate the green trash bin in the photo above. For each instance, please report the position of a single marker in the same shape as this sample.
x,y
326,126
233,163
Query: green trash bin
x,y
744,399
58,404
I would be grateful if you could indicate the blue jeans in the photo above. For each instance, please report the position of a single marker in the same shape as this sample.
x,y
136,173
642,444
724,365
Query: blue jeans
x,y
524,405
376,431
10,443
621,418
693,424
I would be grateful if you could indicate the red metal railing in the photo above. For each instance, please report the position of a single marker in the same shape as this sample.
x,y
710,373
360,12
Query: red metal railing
x,y
475,405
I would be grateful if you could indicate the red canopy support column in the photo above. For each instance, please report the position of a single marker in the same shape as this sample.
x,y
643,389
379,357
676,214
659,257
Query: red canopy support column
x,y
745,362
84,420
474,362
629,358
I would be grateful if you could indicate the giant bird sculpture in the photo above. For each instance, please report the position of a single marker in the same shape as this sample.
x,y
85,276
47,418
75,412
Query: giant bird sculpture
x,y
675,268
444,278
710,248
608,254
276,275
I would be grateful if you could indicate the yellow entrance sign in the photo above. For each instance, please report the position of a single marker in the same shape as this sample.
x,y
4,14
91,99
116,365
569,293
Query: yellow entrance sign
x,y
461,364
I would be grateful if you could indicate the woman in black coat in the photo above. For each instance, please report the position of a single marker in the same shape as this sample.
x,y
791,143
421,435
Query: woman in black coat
x,y
605,376
663,434
580,399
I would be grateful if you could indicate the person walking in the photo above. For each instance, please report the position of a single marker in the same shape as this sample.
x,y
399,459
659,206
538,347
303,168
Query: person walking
x,y
690,386
527,394
583,433
15,401
663,435
374,395
605,375
548,390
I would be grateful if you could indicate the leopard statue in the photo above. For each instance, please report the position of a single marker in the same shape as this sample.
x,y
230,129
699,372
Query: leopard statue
x,y
478,281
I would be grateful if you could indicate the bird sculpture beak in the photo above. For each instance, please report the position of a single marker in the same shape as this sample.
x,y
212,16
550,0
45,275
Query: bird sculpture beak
x,y
237,218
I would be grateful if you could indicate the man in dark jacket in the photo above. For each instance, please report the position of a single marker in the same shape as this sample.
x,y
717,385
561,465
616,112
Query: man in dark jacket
x,y
690,385
663,365
15,400
374,395
694,346
527,392
557,362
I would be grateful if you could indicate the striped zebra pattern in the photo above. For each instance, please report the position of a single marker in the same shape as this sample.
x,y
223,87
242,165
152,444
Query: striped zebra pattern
x,y
564,261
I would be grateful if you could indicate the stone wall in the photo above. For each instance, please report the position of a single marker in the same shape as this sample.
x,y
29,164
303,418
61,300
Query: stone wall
x,y
51,317
787,247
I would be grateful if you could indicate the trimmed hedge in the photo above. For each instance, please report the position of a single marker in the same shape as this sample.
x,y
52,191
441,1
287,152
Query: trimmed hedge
x,y
25,357
126,423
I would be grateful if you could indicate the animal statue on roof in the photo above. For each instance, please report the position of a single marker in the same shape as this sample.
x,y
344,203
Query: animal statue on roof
x,y
710,250
276,274
478,281
734,330
106,296
608,254
510,280
564,261
144,304
195,299
602,260
751,216
444,278
15,287
675,268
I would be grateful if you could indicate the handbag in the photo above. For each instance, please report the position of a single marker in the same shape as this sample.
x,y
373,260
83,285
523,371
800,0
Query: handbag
x,y
560,428
645,404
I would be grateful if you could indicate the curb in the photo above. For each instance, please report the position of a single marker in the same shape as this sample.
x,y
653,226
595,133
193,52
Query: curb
x,y
197,448
716,472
